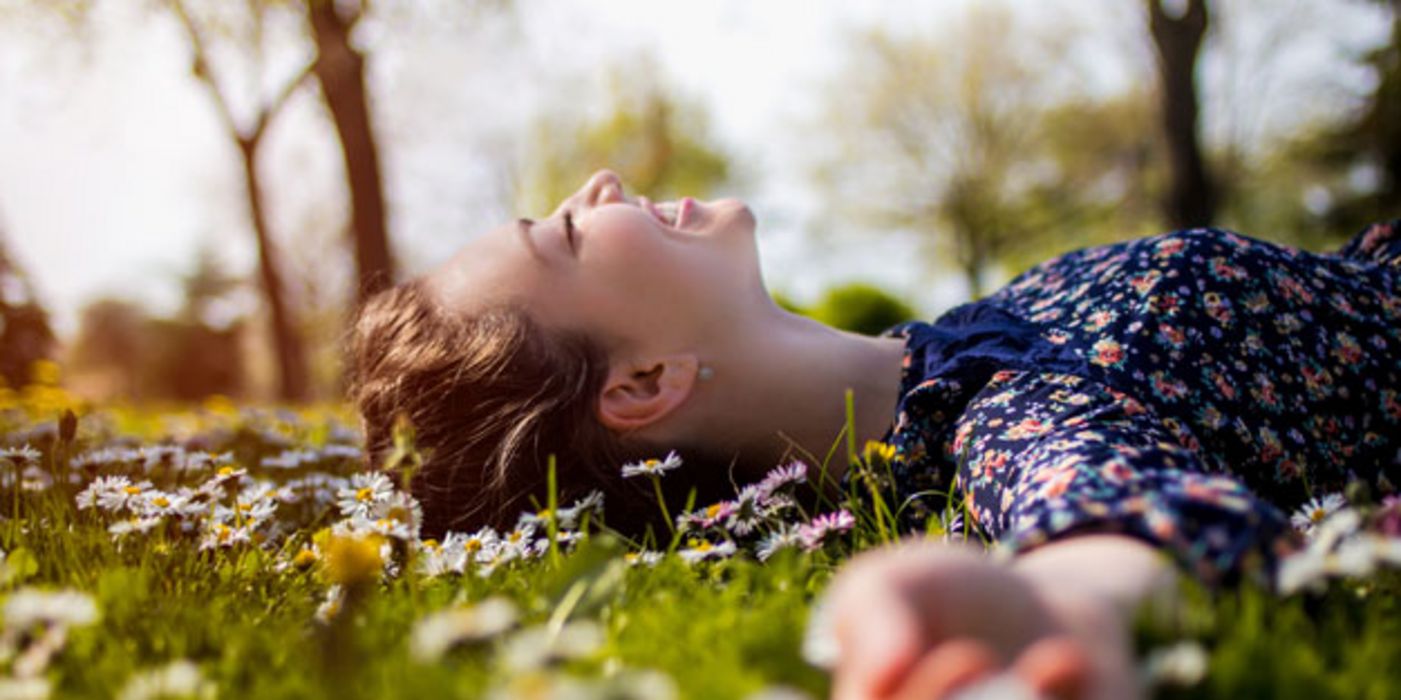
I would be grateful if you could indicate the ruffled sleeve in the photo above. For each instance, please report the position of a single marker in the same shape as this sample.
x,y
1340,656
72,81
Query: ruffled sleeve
x,y
1057,456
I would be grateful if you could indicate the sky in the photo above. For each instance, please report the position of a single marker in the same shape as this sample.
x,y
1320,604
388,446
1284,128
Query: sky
x,y
114,170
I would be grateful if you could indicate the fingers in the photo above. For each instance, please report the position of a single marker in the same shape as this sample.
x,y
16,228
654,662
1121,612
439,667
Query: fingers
x,y
878,638
1056,667
952,665
878,633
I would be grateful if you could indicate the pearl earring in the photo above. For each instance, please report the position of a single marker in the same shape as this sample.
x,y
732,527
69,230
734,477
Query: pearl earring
x,y
705,373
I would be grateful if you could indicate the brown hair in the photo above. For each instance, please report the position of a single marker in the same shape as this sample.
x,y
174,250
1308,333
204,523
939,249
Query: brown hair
x,y
491,397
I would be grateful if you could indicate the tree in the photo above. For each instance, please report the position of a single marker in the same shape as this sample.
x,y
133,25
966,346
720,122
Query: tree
x,y
340,71
293,381
122,351
861,308
937,135
1366,149
25,336
659,144
1177,34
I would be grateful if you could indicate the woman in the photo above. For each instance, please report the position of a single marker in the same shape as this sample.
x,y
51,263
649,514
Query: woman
x,y
1175,393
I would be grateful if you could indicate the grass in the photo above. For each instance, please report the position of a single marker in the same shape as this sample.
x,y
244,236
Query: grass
x,y
251,617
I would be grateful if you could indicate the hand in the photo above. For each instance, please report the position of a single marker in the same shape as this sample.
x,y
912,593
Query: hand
x,y
923,620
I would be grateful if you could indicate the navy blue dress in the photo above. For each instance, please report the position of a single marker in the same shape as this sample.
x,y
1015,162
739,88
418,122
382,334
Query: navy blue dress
x,y
1188,389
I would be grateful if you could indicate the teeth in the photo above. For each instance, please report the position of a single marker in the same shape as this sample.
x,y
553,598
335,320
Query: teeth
x,y
668,211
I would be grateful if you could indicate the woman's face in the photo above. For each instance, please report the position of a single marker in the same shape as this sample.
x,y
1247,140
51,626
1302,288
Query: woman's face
x,y
631,273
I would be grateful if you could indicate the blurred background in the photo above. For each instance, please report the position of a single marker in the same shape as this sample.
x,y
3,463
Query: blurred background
x,y
194,193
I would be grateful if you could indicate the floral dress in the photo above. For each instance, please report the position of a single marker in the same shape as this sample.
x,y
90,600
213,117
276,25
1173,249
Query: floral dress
x,y
1188,389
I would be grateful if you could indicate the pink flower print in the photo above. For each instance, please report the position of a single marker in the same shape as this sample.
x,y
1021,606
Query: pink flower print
x,y
1164,304
1264,392
1172,336
1099,318
1144,282
1108,353
1270,449
1167,388
1222,269
1218,308
1346,349
1168,248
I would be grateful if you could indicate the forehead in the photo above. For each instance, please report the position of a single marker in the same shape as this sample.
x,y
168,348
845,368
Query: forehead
x,y
495,267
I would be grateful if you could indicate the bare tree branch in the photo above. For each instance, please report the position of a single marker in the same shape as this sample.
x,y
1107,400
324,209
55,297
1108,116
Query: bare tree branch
x,y
202,70
271,109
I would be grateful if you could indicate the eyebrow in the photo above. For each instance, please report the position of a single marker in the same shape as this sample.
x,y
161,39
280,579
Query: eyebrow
x,y
523,230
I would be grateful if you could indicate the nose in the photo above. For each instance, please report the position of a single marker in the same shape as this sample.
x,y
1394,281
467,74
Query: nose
x,y
606,187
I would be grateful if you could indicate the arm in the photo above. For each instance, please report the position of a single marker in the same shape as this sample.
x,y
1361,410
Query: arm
x,y
1077,458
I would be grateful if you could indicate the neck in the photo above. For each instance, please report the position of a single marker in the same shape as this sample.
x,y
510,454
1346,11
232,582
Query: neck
x,y
781,389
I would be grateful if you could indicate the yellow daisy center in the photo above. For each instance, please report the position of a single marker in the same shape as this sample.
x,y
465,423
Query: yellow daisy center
x,y
161,501
364,494
304,558
132,490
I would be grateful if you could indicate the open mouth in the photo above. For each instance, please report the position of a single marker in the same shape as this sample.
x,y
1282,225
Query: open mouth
x,y
673,214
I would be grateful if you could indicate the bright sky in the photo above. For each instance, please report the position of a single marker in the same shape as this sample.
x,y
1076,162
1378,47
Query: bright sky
x,y
114,171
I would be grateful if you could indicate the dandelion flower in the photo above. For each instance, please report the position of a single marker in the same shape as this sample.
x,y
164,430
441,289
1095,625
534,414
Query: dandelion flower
x,y
353,560
652,467
1316,511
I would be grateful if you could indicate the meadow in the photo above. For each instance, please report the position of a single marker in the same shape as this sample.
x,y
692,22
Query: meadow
x,y
245,552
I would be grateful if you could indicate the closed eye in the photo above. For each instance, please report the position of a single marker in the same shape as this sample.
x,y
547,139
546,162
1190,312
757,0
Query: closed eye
x,y
569,230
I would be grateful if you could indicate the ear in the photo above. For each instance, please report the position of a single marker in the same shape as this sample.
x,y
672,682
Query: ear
x,y
641,392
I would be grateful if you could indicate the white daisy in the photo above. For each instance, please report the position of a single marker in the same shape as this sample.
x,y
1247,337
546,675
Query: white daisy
x,y
700,550
126,496
815,533
652,467
780,539
1316,511
365,490
331,606
779,477
643,558
178,679
125,527
23,453
438,632
29,607
590,505
219,535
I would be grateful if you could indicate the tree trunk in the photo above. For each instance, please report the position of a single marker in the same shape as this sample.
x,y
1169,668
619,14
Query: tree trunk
x,y
293,380
1191,200
340,70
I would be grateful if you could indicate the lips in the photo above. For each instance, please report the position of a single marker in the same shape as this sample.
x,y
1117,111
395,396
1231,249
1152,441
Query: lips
x,y
671,214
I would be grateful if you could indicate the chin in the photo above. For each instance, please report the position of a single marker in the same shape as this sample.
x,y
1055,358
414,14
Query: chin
x,y
736,215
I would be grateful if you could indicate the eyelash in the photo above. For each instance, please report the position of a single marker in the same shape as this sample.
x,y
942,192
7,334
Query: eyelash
x,y
569,229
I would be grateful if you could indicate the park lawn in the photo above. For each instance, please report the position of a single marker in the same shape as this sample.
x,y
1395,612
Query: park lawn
x,y
228,598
